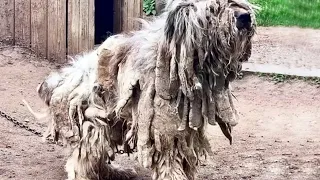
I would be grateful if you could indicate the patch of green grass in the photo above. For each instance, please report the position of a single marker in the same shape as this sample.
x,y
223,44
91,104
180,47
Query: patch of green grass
x,y
302,13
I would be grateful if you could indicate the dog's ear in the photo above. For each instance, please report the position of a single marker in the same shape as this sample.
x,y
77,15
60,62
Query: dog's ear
x,y
177,20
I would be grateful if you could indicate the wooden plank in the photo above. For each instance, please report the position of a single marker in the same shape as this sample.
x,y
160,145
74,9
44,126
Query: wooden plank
x,y
124,15
117,16
22,22
73,26
39,27
130,14
91,24
57,30
138,13
84,26
133,10
62,31
7,21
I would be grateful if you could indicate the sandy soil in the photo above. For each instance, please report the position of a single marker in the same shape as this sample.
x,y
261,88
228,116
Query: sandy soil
x,y
277,138
288,47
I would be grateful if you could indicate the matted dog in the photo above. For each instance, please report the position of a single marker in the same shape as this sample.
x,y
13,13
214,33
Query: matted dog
x,y
152,92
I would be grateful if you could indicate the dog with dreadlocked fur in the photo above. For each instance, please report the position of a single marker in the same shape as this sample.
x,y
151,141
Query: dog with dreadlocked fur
x,y
153,90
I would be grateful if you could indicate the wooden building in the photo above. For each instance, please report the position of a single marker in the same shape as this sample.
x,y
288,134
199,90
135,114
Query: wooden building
x,y
56,28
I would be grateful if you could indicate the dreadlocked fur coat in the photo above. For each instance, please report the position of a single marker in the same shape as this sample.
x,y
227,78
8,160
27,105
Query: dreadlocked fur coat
x,y
151,92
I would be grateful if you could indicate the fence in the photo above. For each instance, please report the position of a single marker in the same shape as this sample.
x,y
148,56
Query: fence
x,y
56,28
125,11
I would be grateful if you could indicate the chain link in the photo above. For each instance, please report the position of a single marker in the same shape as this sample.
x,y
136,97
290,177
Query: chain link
x,y
26,127
38,133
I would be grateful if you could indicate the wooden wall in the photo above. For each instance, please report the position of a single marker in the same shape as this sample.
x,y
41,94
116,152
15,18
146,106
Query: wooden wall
x,y
7,20
80,26
57,28
52,28
125,13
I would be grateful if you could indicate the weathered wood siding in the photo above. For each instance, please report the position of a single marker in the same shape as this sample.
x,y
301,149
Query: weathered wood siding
x,y
7,20
57,28
52,28
126,12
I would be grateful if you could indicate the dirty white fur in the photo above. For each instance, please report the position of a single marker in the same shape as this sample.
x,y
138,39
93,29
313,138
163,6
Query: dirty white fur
x,y
72,113
81,72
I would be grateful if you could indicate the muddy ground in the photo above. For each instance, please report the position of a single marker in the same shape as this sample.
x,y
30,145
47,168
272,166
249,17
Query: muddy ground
x,y
278,136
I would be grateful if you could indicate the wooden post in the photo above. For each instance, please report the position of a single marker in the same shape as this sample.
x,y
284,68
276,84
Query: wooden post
x,y
57,30
138,4
73,26
84,25
22,22
80,26
91,17
134,11
117,16
7,21
39,27
126,12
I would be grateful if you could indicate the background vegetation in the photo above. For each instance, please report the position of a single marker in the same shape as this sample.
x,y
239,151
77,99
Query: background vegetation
x,y
149,7
302,13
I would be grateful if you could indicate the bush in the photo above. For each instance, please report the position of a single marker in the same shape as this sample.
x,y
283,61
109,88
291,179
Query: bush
x,y
149,7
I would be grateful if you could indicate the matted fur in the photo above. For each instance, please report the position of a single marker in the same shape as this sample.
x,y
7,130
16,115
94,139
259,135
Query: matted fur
x,y
154,90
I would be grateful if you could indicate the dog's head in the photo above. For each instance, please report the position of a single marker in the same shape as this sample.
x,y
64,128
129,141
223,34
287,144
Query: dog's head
x,y
243,14
227,26
242,10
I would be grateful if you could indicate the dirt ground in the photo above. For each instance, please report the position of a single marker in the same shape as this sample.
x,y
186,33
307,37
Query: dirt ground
x,y
278,136
288,47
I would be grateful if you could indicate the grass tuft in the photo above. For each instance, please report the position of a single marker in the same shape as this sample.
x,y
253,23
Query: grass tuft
x,y
281,78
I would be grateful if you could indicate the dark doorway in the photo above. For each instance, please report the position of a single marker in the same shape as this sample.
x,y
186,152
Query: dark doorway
x,y
103,20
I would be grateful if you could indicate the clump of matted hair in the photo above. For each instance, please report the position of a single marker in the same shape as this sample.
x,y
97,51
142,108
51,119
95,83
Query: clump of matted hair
x,y
174,77
158,89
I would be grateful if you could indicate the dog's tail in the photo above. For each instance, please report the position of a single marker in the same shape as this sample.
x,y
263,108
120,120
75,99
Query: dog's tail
x,y
37,115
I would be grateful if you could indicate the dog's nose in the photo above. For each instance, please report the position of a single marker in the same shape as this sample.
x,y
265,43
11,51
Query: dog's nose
x,y
243,20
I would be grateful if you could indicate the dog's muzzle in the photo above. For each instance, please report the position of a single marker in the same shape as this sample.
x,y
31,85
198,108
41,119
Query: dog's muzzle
x,y
243,20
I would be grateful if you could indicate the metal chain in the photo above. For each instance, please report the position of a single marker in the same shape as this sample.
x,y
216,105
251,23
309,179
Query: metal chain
x,y
26,127
39,134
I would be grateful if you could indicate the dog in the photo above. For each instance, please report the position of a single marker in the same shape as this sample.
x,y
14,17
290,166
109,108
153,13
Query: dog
x,y
152,92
